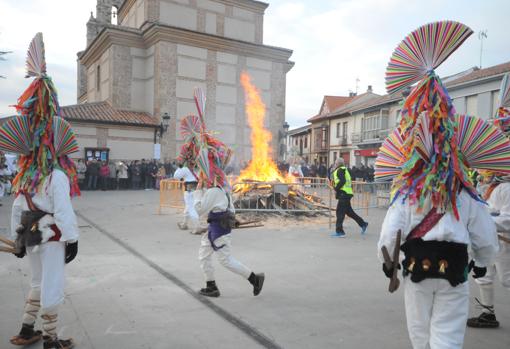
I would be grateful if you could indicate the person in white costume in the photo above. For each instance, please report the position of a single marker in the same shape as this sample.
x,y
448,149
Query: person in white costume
x,y
435,205
216,203
43,222
499,205
190,219
436,311
47,260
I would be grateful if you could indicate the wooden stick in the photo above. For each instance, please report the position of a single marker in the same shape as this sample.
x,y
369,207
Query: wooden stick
x,y
7,241
504,238
395,282
7,249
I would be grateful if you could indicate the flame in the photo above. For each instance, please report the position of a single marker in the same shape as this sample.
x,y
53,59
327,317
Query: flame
x,y
261,167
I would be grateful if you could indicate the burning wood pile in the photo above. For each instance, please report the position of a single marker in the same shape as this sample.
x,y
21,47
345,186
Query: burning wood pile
x,y
261,186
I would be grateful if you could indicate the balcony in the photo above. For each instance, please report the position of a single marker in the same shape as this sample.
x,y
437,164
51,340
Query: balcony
x,y
370,136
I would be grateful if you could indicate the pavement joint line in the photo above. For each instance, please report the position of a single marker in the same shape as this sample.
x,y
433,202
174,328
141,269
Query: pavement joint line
x,y
243,326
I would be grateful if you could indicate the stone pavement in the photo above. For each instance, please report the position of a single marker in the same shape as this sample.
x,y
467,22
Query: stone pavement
x,y
132,286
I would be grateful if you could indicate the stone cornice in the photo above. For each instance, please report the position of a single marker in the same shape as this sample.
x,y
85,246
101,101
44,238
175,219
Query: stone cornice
x,y
109,36
257,6
159,32
152,33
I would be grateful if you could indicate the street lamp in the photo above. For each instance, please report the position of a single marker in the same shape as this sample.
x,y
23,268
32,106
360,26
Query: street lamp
x,y
162,127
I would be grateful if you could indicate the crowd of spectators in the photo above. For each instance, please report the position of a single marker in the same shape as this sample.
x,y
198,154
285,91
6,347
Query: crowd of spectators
x,y
137,174
303,169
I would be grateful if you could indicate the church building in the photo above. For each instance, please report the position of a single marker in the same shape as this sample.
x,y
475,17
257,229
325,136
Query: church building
x,y
143,59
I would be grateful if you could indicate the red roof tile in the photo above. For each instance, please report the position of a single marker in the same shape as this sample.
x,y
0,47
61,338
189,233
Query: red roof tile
x,y
332,103
102,112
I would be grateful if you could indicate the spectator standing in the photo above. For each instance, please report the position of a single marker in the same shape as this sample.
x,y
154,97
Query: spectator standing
x,y
143,173
81,170
169,169
152,171
112,178
104,173
93,173
322,170
122,174
136,174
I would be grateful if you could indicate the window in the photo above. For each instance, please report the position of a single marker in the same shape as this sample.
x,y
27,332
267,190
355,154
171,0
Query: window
x,y
337,130
306,142
114,19
98,78
495,104
334,156
472,105
345,126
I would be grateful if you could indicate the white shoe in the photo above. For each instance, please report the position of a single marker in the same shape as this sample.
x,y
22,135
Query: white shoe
x,y
182,226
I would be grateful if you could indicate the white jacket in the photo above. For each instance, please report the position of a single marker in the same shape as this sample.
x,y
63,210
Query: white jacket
x,y
212,200
499,202
475,227
53,197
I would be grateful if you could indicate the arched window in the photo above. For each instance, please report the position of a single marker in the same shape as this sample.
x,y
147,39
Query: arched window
x,y
114,15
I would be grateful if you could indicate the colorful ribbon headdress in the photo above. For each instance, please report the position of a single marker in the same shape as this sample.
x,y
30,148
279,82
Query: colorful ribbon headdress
x,y
43,139
201,148
433,165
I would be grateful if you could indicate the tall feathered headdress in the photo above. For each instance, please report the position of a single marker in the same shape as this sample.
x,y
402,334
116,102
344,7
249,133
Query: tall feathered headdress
x,y
201,148
43,139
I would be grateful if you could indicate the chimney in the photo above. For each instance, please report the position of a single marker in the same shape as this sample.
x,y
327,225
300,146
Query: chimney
x,y
352,94
369,89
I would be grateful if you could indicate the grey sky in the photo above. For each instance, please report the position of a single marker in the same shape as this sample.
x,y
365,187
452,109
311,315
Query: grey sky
x,y
334,42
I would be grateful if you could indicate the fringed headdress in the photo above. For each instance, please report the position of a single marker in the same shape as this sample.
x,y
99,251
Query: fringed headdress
x,y
43,139
201,148
430,154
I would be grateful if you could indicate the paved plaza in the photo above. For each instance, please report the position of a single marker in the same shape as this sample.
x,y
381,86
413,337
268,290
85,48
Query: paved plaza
x,y
133,285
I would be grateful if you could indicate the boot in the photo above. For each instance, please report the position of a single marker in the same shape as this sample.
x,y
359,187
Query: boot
x,y
55,343
257,280
487,319
26,336
211,290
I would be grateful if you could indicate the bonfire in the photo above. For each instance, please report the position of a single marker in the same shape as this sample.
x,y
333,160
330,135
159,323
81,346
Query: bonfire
x,y
261,185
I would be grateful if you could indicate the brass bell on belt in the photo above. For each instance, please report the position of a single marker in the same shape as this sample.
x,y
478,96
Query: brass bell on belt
x,y
426,264
442,266
411,265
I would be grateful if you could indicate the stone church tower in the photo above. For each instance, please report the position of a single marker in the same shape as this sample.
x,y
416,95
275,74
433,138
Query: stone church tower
x,y
161,49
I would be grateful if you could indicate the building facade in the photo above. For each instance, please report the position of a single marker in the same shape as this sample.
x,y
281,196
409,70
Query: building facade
x,y
161,49
298,144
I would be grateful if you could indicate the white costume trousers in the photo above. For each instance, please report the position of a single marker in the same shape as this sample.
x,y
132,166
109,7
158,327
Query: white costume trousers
x,y
206,251
501,268
47,264
436,313
190,214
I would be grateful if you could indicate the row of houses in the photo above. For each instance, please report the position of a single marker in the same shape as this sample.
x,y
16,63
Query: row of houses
x,y
354,126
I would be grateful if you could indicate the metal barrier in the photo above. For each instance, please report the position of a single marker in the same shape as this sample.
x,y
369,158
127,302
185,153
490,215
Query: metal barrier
x,y
170,194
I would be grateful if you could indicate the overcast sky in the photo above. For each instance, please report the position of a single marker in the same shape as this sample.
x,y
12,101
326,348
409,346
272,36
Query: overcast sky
x,y
334,42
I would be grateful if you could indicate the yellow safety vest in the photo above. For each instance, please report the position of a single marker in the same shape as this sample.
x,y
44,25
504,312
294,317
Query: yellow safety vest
x,y
347,188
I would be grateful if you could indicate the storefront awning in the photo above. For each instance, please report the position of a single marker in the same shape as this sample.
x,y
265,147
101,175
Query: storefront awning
x,y
371,152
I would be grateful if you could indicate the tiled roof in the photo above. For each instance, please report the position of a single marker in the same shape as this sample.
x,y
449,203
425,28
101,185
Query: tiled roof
x,y
350,105
332,102
481,74
302,129
102,112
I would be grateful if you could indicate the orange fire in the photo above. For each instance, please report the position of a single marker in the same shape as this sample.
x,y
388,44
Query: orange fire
x,y
261,167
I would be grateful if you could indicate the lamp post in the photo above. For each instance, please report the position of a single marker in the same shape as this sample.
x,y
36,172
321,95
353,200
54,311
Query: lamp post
x,y
162,127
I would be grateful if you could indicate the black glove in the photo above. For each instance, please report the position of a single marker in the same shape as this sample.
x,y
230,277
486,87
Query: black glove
x,y
388,272
22,252
71,251
478,272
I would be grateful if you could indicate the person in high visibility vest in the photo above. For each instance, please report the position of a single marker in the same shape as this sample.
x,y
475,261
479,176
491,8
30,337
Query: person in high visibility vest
x,y
342,183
